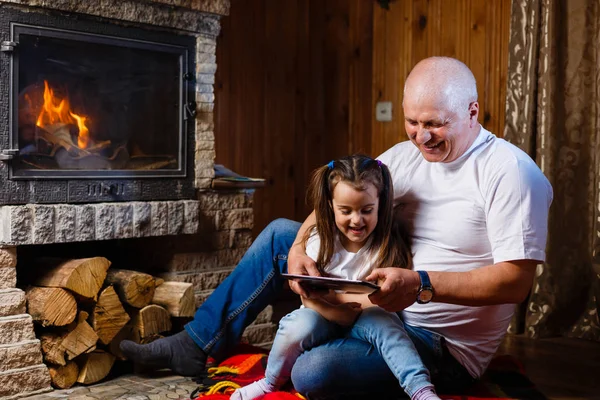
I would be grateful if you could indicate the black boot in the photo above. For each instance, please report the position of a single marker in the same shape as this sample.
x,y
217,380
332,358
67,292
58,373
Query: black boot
x,y
178,352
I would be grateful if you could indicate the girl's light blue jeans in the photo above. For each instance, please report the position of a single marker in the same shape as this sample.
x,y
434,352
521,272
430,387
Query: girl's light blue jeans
x,y
305,328
342,368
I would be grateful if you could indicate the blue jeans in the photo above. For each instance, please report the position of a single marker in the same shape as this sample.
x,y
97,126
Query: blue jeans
x,y
305,328
339,368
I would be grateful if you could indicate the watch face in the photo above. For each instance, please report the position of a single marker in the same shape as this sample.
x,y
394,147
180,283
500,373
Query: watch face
x,y
425,296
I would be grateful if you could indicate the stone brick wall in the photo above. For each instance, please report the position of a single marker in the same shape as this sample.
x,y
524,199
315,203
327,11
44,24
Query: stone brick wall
x,y
22,371
206,259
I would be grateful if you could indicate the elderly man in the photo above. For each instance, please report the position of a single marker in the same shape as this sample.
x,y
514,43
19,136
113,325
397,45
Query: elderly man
x,y
477,207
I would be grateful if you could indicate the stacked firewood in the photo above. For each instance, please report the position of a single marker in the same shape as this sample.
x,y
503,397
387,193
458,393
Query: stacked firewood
x,y
84,310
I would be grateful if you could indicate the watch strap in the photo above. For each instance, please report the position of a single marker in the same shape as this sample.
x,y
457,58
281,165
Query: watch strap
x,y
425,281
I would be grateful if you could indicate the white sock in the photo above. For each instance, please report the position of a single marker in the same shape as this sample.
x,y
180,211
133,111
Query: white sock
x,y
253,390
426,393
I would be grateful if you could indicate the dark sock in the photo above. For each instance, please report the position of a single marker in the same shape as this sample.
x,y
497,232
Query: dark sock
x,y
178,352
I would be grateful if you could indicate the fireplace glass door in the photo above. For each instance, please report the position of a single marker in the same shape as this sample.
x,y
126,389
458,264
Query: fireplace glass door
x,y
87,105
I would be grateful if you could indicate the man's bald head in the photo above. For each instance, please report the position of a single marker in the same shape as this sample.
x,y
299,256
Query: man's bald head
x,y
445,79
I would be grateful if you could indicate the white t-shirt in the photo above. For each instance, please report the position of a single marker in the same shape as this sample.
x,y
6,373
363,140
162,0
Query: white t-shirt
x,y
344,264
488,206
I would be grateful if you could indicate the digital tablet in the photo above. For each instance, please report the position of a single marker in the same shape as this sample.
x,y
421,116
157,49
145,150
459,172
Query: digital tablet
x,y
321,282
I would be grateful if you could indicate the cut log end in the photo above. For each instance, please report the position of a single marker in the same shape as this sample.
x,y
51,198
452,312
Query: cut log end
x,y
94,367
82,276
63,377
176,297
51,306
108,316
134,288
151,320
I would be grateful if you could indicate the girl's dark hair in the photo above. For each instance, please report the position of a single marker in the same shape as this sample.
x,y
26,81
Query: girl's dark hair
x,y
390,239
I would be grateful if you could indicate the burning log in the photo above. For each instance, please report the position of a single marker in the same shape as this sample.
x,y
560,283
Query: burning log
x,y
51,306
176,297
134,288
82,276
63,377
108,316
94,367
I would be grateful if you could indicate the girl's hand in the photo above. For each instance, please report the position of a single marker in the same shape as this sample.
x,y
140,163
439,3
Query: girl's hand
x,y
399,288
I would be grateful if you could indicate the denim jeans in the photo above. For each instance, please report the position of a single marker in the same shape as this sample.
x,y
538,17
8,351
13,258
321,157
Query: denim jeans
x,y
303,329
220,321
341,368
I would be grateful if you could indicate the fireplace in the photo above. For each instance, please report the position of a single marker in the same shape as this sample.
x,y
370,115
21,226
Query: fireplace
x,y
103,111
107,148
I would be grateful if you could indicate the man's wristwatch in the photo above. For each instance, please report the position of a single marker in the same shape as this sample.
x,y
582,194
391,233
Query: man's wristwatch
x,y
425,293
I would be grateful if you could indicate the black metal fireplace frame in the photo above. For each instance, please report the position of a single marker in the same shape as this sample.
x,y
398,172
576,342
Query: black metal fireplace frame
x,y
101,185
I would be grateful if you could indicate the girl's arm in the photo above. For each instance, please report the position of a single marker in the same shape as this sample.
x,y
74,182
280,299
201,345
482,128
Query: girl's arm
x,y
341,314
360,298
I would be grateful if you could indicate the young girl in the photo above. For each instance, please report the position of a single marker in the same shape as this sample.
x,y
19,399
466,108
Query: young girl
x,y
355,232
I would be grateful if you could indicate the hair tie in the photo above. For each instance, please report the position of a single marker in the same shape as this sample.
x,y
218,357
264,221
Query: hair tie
x,y
379,163
330,164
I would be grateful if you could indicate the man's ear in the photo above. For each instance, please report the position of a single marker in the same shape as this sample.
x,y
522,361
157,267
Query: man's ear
x,y
473,114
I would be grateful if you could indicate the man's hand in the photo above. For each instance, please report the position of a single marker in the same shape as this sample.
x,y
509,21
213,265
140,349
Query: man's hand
x,y
301,264
399,288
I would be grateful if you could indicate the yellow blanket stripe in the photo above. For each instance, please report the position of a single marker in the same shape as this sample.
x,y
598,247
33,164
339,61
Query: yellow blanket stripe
x,y
239,369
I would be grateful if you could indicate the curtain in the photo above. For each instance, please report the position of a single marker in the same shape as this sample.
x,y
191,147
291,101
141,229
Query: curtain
x,y
553,113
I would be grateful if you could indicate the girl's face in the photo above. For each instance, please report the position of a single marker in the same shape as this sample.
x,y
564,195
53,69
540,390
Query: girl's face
x,y
355,213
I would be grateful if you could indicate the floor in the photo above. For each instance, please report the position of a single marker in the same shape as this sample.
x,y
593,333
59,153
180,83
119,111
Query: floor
x,y
160,386
562,368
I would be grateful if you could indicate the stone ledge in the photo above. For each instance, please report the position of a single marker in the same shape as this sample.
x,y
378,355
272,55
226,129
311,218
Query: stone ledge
x,y
12,302
181,18
8,277
8,257
66,223
20,355
22,382
16,328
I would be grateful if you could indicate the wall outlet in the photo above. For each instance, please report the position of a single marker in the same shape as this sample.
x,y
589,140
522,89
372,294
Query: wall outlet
x,y
383,111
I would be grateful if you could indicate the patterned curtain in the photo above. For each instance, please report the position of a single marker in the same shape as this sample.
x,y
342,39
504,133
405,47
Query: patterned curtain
x,y
553,113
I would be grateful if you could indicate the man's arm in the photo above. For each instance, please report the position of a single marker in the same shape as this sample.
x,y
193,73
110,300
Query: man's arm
x,y
500,283
298,262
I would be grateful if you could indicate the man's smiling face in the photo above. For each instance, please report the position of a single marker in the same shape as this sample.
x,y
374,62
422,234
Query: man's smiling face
x,y
440,133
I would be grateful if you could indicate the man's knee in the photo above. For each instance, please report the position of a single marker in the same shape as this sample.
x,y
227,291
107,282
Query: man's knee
x,y
312,375
281,225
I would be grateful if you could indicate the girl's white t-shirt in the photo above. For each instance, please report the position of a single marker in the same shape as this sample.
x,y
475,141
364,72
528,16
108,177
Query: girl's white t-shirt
x,y
343,264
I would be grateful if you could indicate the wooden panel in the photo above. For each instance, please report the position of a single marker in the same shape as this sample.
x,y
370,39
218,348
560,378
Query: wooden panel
x,y
473,31
297,81
293,91
361,66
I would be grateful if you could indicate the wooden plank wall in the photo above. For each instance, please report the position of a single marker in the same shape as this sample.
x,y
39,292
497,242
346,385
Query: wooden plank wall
x,y
297,81
293,91
474,31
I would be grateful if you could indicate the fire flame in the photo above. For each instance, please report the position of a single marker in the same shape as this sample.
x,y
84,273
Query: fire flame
x,y
55,110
